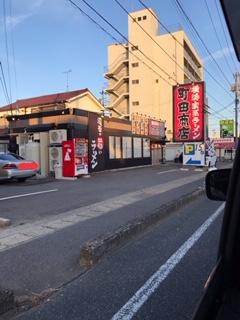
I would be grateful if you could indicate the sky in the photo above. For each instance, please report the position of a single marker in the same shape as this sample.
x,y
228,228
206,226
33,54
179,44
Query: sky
x,y
51,46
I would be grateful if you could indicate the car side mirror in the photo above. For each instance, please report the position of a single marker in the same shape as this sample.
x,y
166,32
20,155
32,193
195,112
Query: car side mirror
x,y
216,183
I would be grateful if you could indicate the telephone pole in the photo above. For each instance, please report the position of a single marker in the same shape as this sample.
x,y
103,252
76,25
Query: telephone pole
x,y
235,88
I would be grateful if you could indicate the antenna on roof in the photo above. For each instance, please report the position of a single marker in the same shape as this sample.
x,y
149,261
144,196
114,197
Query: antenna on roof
x,y
67,72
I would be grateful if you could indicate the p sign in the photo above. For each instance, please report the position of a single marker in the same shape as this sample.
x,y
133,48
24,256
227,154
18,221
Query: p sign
x,y
193,154
189,149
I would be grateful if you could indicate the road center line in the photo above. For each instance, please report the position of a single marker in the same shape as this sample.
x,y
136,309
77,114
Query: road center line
x,y
142,295
28,194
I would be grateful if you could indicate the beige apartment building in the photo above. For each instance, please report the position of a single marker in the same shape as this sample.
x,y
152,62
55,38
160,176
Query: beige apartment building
x,y
142,72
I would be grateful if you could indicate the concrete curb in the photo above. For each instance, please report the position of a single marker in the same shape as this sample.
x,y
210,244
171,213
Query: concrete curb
x,y
93,250
6,300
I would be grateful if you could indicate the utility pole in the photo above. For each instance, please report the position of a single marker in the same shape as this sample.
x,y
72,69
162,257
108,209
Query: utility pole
x,y
67,72
235,88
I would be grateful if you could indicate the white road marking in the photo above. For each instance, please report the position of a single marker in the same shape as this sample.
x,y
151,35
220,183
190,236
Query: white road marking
x,y
142,295
40,228
167,171
28,194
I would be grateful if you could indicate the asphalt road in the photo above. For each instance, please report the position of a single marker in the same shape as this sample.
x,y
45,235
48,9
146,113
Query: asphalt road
x,y
37,199
160,275
40,251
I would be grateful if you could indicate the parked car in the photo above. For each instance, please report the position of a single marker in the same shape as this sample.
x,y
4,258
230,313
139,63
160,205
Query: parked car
x,y
12,166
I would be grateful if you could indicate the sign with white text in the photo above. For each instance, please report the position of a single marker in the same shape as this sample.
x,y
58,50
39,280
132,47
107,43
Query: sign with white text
x,y
188,112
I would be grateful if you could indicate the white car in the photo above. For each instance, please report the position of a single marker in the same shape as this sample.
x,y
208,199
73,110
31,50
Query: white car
x,y
12,166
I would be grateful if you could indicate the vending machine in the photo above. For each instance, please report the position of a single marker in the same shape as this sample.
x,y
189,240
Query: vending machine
x,y
75,157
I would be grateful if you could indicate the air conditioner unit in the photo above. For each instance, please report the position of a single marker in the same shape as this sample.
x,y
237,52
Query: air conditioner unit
x,y
57,136
22,139
55,156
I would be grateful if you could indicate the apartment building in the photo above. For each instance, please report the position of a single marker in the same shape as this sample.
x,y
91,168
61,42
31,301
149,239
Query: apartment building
x,y
142,72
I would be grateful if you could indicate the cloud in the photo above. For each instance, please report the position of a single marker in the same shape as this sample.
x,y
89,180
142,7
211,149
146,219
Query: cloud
x,y
219,54
26,5
20,11
14,21
36,4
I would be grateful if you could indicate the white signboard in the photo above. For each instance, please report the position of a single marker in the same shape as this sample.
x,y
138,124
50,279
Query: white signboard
x,y
194,154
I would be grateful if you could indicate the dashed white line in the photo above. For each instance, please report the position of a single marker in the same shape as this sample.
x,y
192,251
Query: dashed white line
x,y
28,194
52,224
142,295
167,171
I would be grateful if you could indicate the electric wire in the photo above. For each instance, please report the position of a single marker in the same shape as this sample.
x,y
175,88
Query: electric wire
x,y
198,43
4,86
202,40
224,33
156,42
182,46
13,50
153,62
219,42
6,45
151,37
74,4
92,20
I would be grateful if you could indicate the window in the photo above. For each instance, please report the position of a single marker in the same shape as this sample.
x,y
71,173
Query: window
x,y
135,103
127,147
156,80
135,81
146,148
137,147
135,64
144,17
139,18
114,147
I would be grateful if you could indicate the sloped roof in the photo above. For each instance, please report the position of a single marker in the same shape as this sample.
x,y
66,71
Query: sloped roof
x,y
45,100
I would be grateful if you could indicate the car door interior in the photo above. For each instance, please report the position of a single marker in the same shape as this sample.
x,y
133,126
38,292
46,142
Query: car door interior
x,y
221,296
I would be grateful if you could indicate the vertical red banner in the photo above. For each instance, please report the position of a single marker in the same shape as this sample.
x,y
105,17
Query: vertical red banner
x,y
188,112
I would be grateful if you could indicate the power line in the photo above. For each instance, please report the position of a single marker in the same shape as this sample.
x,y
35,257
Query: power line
x,y
133,45
14,62
198,42
4,86
182,46
92,20
6,45
230,52
155,41
151,37
219,42
201,39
